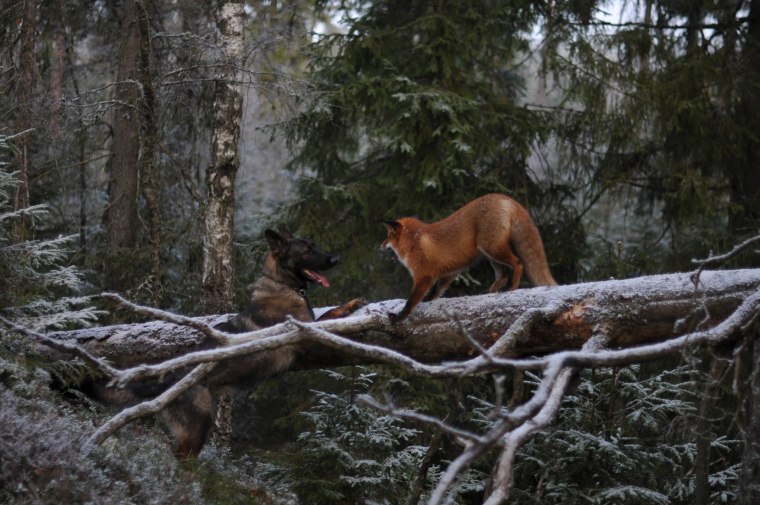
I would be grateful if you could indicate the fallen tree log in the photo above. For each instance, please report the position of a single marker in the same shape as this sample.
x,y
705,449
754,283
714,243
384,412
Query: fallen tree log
x,y
630,312
609,323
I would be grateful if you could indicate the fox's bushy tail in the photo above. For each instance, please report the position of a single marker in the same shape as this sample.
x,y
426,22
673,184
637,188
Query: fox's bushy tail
x,y
527,244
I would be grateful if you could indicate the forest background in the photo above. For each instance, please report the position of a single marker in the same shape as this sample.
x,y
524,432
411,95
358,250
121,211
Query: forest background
x,y
628,129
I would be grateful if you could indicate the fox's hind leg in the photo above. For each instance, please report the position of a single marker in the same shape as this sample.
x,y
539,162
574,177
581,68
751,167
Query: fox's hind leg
x,y
500,262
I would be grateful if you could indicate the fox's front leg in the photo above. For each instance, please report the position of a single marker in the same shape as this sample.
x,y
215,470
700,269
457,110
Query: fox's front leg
x,y
344,310
419,290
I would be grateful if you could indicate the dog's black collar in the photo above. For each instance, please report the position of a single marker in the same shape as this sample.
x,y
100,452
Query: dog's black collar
x,y
301,291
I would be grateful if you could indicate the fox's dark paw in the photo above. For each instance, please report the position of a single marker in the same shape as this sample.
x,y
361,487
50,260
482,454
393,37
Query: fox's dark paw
x,y
395,317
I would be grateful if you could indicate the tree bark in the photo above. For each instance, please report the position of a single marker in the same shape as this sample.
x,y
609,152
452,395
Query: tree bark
x,y
121,214
56,84
743,181
750,478
24,93
703,432
218,272
149,183
632,312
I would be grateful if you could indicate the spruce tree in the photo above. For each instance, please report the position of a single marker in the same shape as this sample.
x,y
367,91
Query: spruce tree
x,y
415,111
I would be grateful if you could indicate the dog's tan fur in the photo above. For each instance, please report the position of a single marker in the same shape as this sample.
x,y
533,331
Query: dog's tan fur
x,y
279,292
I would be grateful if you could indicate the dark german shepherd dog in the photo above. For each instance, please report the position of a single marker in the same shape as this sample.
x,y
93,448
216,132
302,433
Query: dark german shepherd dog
x,y
290,266
292,263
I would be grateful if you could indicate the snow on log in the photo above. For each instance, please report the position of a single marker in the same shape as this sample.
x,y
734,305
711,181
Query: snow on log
x,y
631,311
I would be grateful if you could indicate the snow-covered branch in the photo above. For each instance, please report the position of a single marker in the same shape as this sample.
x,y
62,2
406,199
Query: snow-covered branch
x,y
65,347
147,408
633,320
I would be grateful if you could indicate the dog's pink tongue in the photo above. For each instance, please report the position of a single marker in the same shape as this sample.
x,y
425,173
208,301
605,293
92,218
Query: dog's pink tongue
x,y
317,277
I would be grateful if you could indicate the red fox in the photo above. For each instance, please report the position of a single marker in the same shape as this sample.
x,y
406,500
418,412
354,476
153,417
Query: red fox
x,y
494,226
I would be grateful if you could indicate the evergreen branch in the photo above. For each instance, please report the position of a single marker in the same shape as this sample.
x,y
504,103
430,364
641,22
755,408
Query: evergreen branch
x,y
34,211
661,26
409,415
6,138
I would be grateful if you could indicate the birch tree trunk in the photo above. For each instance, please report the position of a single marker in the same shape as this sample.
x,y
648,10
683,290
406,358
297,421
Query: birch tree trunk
x,y
218,272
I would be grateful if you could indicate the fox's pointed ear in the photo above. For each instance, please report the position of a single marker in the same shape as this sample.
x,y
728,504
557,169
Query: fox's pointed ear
x,y
277,243
392,226
286,233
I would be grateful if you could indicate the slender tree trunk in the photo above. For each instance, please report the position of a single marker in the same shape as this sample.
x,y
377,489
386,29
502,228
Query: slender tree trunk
x,y
56,85
24,92
121,215
67,58
750,479
122,211
218,271
149,183
694,18
81,139
703,430
744,182
645,52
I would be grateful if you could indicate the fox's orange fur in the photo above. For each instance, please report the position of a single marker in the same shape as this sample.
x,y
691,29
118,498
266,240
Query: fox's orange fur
x,y
494,226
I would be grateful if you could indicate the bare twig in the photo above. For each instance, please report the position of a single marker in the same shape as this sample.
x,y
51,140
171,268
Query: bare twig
x,y
217,354
720,258
522,326
98,364
541,409
411,415
146,408
503,478
218,336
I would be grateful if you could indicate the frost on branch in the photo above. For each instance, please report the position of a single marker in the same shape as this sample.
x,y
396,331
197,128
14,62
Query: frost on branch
x,y
597,324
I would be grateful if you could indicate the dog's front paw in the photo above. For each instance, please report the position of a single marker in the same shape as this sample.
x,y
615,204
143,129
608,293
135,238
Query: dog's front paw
x,y
357,303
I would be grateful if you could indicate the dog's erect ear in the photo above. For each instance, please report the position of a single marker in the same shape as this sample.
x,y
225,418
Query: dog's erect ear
x,y
277,243
392,226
